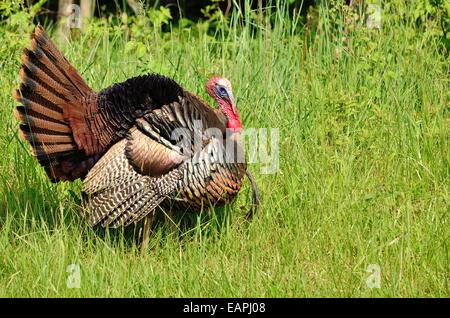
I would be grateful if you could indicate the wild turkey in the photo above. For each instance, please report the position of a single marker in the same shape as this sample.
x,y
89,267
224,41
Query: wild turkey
x,y
120,140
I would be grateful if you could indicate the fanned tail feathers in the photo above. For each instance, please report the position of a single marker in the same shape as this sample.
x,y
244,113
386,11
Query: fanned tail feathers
x,y
48,83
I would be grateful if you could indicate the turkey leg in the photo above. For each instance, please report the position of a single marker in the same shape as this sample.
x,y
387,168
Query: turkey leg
x,y
255,198
146,231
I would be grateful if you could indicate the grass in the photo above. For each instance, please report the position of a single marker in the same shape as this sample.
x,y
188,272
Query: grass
x,y
363,178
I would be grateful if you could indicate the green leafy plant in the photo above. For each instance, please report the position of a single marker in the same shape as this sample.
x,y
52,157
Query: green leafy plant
x,y
435,15
15,26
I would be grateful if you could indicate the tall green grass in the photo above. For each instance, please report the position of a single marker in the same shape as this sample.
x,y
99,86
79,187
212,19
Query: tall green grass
x,y
363,179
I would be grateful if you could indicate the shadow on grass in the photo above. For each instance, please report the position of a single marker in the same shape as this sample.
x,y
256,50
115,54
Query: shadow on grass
x,y
183,225
45,207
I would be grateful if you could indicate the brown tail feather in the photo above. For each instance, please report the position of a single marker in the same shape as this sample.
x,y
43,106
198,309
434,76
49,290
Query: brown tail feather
x,y
49,85
38,120
41,74
30,105
51,149
47,139
50,50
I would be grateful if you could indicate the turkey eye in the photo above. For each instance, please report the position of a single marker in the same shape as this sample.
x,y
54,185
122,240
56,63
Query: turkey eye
x,y
222,91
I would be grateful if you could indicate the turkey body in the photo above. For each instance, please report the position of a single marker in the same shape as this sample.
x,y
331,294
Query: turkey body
x,y
144,169
136,145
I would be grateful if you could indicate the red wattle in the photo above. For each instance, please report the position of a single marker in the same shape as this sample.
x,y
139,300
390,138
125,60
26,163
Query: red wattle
x,y
234,124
